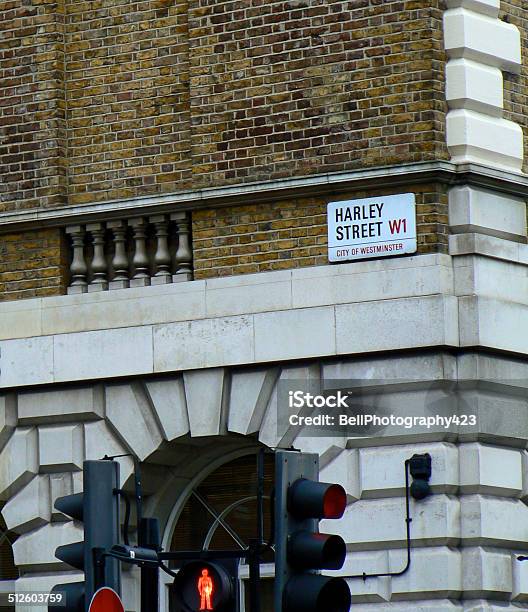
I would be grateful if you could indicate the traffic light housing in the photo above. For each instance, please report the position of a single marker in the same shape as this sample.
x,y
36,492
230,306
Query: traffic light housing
x,y
420,468
208,585
300,550
98,508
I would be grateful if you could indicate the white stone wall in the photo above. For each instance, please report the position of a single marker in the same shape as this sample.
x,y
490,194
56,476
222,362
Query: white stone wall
x,y
465,535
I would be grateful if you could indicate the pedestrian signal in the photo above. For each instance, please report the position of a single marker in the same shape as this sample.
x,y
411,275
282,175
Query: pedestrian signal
x,y
207,586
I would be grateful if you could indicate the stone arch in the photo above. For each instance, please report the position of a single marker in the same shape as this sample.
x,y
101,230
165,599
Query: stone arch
x,y
178,426
162,421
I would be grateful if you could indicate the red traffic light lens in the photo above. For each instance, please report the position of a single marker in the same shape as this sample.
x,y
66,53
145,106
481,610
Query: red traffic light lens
x,y
312,499
334,502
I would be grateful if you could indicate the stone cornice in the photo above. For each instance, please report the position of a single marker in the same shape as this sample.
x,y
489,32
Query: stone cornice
x,y
322,184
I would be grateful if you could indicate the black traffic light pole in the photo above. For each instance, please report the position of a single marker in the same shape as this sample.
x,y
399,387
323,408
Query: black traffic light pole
x,y
137,484
255,546
149,537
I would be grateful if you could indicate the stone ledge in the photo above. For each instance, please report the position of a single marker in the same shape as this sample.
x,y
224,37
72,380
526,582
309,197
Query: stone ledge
x,y
339,182
429,320
488,246
227,296
275,316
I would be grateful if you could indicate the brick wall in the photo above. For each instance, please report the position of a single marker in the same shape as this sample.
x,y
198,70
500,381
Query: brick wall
x,y
516,86
32,105
113,100
293,234
128,98
308,86
32,264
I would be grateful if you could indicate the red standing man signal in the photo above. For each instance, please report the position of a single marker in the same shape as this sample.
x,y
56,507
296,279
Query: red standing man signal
x,y
205,589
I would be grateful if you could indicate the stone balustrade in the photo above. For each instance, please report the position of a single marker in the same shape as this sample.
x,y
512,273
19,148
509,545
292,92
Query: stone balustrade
x,y
136,252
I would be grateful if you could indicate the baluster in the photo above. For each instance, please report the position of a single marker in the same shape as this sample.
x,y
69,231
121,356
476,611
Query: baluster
x,y
183,257
78,267
162,257
120,259
140,261
99,266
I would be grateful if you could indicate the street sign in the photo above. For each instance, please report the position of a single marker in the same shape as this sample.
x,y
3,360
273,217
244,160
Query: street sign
x,y
106,600
371,227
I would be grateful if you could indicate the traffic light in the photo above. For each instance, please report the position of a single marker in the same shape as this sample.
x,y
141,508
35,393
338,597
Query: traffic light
x,y
300,550
98,508
206,586
420,468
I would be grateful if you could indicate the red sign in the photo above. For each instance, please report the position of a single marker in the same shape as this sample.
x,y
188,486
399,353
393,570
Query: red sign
x,y
204,586
106,600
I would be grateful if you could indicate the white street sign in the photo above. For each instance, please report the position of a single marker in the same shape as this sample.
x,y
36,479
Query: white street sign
x,y
371,227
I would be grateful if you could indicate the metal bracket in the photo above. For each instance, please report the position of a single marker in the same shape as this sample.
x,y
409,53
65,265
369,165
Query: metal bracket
x,y
408,521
